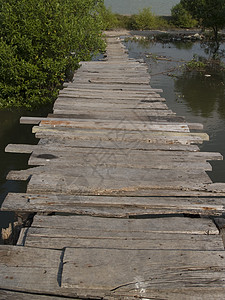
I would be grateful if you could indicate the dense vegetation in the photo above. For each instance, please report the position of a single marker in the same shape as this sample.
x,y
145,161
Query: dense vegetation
x,y
43,41
209,13
182,18
41,44
144,20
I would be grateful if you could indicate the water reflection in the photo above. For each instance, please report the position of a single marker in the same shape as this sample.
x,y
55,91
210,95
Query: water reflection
x,y
183,45
202,94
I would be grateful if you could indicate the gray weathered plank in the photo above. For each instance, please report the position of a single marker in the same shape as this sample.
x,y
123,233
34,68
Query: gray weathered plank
x,y
116,206
12,295
137,271
172,225
107,181
35,270
47,145
102,124
60,238
124,135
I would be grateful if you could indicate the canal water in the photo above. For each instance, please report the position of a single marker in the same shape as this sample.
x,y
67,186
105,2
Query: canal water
x,y
198,97
12,132
128,7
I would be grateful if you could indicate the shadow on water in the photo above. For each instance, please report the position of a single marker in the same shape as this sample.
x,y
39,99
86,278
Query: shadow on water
x,y
12,132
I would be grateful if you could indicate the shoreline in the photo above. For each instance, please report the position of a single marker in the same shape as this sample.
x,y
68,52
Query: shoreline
x,y
167,35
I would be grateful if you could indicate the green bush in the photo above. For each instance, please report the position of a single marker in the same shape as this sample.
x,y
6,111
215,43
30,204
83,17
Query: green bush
x,y
182,18
145,19
110,19
42,42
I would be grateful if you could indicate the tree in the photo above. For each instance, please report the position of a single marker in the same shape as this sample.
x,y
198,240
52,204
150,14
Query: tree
x,y
210,13
42,41
145,19
181,17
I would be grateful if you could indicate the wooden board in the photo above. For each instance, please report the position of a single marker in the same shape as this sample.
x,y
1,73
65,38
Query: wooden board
x,y
115,181
37,120
47,145
76,105
136,272
113,206
9,295
172,225
123,135
28,269
115,125
61,238
113,87
128,114
35,270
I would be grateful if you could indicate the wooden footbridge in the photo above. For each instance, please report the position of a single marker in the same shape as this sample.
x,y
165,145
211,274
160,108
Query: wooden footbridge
x,y
118,202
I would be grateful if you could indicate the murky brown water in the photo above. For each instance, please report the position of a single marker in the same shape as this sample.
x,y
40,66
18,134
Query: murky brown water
x,y
198,97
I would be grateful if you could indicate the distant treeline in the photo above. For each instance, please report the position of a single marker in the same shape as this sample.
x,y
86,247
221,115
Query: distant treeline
x,y
186,14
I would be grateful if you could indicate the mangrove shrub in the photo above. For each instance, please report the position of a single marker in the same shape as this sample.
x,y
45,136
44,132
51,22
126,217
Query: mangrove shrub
x,y
210,13
180,17
41,43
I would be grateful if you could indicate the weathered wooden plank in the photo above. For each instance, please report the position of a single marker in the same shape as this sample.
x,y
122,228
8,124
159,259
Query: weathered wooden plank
x,y
124,114
114,76
51,145
114,87
124,270
34,270
87,115
98,185
71,99
123,125
120,206
113,124
114,80
47,145
124,135
110,106
19,256
98,160
107,90
52,152
12,295
172,225
110,93
60,238
106,161
102,180
37,120
187,293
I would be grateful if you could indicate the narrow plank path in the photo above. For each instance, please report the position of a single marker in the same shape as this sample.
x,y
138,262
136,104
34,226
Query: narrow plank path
x,y
118,202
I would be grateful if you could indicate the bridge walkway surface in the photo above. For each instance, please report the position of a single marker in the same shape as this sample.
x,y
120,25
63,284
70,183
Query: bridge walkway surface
x,y
118,202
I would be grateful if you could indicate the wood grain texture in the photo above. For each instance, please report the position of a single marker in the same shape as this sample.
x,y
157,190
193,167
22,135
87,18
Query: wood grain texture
x,y
137,271
113,206
157,225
